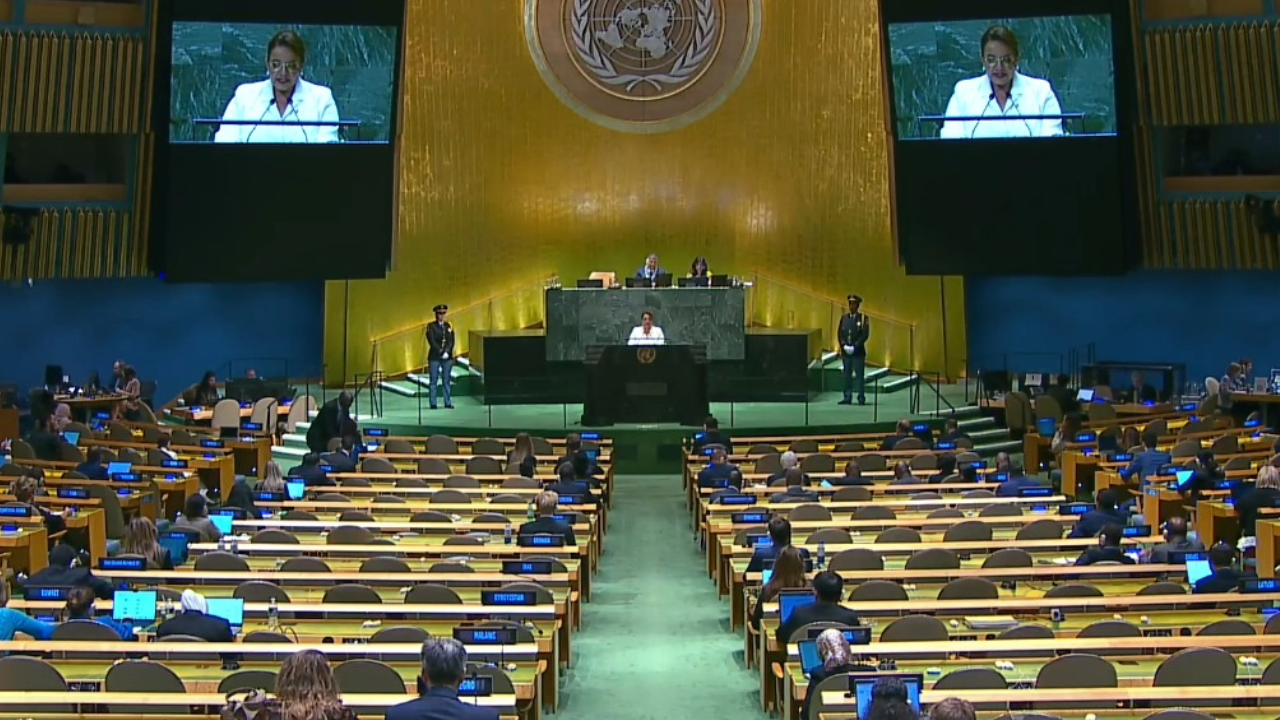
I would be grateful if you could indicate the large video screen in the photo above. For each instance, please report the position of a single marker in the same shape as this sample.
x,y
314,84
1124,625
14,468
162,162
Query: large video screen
x,y
1037,77
277,127
1012,133
263,83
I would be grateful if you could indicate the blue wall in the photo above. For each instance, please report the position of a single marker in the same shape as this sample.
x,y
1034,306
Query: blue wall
x,y
1204,319
170,333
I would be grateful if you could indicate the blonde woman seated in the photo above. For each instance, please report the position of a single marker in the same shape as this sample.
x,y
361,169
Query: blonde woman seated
x,y
272,479
1264,494
141,538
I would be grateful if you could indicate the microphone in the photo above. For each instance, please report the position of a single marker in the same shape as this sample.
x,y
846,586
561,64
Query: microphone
x,y
303,128
990,98
1014,99
264,114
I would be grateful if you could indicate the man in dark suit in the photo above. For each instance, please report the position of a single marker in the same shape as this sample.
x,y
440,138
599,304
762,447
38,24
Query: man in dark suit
x,y
1108,548
651,269
780,535
343,459
333,421
953,432
795,491
828,586
546,523
711,435
311,473
44,440
1176,540
1092,522
440,343
574,455
852,476
716,473
92,466
902,432
195,621
1061,392
1142,392
1225,578
567,483
64,570
855,330
444,667
1017,480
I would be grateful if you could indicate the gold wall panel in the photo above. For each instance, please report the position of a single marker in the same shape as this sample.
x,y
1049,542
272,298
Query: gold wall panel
x,y
55,82
1204,75
502,185
81,243
1209,235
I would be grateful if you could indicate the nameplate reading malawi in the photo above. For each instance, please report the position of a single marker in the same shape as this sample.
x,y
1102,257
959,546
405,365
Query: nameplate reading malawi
x,y
485,636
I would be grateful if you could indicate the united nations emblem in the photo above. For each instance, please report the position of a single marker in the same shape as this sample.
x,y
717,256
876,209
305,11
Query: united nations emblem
x,y
646,355
643,65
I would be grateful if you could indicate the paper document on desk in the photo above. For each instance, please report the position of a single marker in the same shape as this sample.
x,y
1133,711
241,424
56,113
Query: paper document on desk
x,y
991,622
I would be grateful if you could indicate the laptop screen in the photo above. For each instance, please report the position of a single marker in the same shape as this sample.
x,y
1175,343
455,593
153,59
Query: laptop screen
x,y
71,437
862,688
176,544
766,576
229,609
138,606
810,660
119,468
1084,395
1184,478
1046,427
789,601
296,489
223,523
1198,567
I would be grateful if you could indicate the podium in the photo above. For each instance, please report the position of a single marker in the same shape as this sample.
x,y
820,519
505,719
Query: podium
x,y
645,384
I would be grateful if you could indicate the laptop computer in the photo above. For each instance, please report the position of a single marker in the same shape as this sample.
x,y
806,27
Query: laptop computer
x,y
229,609
135,607
71,436
1046,427
223,523
1198,567
810,659
862,687
1183,478
119,468
789,601
1085,395
176,543
295,489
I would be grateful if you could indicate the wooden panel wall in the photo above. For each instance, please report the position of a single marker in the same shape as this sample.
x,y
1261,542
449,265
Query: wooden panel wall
x,y
78,82
1198,66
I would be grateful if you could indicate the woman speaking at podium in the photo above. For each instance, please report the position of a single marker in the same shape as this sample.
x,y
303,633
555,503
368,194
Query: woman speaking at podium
x,y
646,333
284,97
1002,94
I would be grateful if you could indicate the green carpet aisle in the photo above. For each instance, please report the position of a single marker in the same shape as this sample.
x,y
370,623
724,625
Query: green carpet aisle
x,y
654,643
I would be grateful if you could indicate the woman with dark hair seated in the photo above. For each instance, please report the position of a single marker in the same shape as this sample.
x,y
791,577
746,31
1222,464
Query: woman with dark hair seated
x,y
203,393
196,515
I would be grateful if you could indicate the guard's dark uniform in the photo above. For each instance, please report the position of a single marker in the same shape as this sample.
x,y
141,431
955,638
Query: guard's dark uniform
x,y
855,330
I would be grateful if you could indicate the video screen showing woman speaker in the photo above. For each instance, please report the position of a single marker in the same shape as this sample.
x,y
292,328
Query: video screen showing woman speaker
x,y
1038,77
256,83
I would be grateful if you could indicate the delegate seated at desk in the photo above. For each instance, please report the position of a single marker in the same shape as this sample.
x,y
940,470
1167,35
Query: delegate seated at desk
x,y
1108,549
343,459
546,523
717,472
14,621
795,491
1092,522
1175,541
1225,578
444,667
837,659
1141,392
1149,461
646,333
195,620
780,537
1265,494
828,587
80,608
311,473
64,572
852,476
92,467
1016,482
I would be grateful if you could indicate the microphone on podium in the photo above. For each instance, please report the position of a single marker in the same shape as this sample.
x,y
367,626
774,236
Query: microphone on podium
x,y
990,98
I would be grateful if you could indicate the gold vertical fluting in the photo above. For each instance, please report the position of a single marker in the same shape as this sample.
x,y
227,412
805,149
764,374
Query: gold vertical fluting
x,y
790,176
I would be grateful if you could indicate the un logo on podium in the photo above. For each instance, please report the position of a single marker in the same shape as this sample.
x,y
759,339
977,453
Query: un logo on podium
x,y
643,65
646,355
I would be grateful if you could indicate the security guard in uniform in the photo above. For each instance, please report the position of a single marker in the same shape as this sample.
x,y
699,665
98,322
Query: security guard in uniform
x,y
855,330
440,339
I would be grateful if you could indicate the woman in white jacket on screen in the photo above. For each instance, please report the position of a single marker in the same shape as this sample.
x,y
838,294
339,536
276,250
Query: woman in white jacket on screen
x,y
283,97
1002,94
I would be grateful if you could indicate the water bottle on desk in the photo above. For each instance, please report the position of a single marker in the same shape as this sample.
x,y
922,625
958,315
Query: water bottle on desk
x,y
822,554
273,615
506,535
529,515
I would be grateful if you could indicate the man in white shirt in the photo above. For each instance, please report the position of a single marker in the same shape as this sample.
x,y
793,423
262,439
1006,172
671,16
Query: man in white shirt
x,y
646,333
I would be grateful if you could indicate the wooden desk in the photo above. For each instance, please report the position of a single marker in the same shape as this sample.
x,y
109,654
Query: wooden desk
x,y
1216,520
95,704
204,414
28,548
